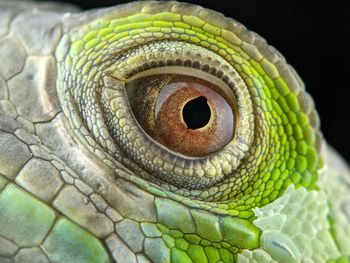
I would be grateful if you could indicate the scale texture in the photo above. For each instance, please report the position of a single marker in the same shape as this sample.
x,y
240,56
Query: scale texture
x,y
81,180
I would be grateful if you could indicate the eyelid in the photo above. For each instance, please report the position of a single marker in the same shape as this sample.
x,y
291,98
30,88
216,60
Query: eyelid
x,y
188,71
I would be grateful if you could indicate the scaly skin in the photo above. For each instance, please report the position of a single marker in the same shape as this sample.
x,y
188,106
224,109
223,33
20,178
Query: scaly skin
x,y
80,181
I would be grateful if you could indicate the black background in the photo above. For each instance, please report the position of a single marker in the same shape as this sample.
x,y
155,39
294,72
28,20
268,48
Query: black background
x,y
312,37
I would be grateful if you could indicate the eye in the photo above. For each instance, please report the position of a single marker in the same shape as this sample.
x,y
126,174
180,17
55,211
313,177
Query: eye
x,y
186,114
149,97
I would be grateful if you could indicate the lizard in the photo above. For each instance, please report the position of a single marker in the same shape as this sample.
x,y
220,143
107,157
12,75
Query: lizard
x,y
98,162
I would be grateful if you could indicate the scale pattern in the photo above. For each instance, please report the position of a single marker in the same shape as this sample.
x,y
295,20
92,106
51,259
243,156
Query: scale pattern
x,y
79,182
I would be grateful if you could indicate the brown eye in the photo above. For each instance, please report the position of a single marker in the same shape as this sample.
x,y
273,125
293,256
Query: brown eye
x,y
186,114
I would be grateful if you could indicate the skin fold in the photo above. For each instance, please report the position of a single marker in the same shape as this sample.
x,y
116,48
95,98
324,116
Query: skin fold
x,y
81,181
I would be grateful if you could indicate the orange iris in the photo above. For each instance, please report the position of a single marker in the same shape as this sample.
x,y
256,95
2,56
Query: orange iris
x,y
185,114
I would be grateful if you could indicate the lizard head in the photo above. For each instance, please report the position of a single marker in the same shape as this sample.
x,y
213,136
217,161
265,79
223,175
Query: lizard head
x,y
177,135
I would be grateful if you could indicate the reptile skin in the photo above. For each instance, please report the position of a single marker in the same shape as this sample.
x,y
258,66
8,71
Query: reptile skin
x,y
82,181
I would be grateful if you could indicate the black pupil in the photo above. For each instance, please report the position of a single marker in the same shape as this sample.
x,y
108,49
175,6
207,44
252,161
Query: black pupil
x,y
196,113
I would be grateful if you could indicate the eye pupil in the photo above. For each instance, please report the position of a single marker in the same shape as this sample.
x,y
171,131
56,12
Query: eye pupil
x,y
196,113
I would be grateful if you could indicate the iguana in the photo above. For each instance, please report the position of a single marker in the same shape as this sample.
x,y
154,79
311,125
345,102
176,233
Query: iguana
x,y
159,132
